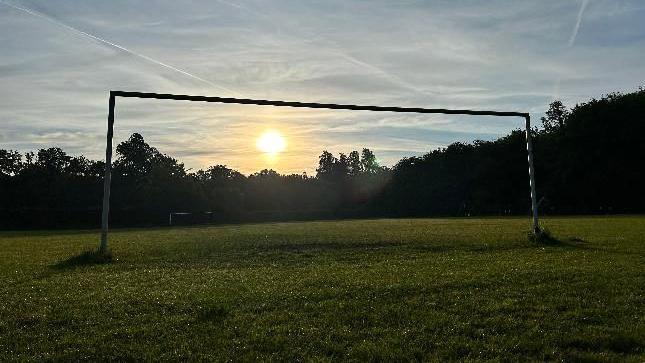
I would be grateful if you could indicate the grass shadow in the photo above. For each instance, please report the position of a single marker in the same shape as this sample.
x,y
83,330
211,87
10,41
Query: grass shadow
x,y
546,238
87,258
577,241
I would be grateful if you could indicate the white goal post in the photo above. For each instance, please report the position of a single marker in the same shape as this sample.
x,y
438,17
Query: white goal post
x,y
246,101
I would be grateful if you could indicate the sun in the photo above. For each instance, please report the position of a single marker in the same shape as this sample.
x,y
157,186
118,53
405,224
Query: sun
x,y
271,142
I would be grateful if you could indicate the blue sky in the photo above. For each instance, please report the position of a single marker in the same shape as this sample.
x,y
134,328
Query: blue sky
x,y
59,59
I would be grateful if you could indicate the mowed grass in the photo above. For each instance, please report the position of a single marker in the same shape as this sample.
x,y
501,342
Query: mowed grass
x,y
404,289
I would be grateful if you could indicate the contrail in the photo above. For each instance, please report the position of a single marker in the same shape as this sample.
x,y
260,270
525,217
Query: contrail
x,y
387,75
574,34
126,50
572,40
337,51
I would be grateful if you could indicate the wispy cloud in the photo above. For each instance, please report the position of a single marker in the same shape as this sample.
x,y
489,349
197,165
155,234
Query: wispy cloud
x,y
119,47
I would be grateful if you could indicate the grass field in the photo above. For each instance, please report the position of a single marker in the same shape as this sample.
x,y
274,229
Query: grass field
x,y
408,289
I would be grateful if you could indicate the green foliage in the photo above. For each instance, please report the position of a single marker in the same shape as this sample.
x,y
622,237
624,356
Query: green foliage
x,y
369,290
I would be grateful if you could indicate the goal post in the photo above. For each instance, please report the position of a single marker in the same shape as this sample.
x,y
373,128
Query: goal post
x,y
332,106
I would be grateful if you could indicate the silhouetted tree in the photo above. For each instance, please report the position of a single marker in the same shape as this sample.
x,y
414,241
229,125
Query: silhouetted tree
x,y
354,163
342,167
10,162
368,161
326,163
219,174
52,160
556,116
135,157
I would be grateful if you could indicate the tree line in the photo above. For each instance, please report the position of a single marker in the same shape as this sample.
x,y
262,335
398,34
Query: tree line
x,y
589,160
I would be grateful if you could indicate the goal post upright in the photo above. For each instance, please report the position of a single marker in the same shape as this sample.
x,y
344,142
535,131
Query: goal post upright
x,y
105,211
529,151
247,101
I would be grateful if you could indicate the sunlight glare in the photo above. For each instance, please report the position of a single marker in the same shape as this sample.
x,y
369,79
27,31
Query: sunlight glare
x,y
271,142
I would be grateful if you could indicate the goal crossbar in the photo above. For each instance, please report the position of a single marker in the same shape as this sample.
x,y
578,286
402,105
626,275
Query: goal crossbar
x,y
330,106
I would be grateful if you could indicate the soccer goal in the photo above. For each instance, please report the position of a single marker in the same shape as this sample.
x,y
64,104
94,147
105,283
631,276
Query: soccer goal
x,y
331,106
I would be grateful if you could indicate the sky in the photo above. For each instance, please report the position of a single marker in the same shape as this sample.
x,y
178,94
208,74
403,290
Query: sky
x,y
59,60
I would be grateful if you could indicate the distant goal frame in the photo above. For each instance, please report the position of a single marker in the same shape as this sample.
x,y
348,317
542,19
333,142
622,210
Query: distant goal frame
x,y
105,212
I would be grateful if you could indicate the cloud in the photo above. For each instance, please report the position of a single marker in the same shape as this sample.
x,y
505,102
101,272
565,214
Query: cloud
x,y
498,54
